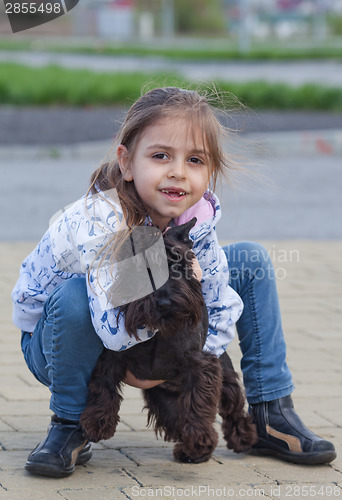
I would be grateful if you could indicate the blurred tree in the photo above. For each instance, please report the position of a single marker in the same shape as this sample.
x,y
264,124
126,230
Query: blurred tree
x,y
199,17
148,5
190,16
334,22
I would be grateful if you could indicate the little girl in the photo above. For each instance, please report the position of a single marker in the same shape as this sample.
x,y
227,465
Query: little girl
x,y
168,156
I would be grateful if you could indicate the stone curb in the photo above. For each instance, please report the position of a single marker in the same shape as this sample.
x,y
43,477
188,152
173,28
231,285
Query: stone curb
x,y
19,152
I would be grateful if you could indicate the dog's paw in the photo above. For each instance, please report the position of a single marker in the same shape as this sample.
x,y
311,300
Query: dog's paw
x,y
240,435
185,457
96,435
98,430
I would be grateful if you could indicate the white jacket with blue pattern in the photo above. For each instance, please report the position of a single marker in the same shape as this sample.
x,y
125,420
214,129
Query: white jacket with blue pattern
x,y
68,248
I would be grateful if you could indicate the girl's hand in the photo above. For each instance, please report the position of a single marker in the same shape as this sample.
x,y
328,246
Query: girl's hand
x,y
130,379
196,269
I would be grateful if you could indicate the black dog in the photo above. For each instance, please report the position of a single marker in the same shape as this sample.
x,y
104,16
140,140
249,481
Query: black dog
x,y
197,383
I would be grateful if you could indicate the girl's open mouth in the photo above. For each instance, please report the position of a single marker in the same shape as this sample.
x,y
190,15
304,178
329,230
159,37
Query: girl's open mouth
x,y
173,194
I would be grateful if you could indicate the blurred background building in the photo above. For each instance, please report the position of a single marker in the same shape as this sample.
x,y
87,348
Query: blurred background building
x,y
240,20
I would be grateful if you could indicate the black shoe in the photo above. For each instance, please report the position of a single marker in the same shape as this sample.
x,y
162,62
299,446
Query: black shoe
x,y
282,434
62,449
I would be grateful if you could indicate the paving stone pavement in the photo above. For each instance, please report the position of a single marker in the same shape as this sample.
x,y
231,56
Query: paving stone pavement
x,y
134,464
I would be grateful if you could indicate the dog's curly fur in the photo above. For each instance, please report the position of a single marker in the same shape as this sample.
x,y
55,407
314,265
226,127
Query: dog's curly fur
x,y
197,383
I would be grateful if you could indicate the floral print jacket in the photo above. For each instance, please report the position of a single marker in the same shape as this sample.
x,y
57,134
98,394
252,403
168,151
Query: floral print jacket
x,y
72,245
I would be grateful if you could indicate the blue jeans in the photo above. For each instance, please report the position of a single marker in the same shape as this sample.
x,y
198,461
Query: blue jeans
x,y
64,347
265,372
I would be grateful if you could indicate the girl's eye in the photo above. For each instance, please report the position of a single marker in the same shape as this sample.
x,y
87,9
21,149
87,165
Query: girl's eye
x,y
160,156
195,159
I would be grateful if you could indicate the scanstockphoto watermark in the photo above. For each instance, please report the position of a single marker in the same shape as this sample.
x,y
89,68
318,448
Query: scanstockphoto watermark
x,y
267,491
204,491
24,15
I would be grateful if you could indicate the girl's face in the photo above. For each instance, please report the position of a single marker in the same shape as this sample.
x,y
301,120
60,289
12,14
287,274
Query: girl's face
x,y
170,168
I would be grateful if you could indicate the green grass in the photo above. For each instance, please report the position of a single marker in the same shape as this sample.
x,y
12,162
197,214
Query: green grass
x,y
264,95
211,49
52,85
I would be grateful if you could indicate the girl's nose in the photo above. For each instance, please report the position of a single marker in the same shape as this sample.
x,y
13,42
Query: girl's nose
x,y
177,170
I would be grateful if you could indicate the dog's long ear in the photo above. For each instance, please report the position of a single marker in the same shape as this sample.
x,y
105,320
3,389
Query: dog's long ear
x,y
189,225
181,233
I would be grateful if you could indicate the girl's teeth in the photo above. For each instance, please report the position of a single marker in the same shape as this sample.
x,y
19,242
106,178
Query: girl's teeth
x,y
173,193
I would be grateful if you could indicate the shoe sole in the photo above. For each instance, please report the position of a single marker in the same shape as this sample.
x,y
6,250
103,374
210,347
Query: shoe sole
x,y
48,470
45,469
314,458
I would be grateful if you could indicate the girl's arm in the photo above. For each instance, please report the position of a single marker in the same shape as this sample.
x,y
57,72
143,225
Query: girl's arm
x,y
197,269
223,303
67,249
39,276
131,380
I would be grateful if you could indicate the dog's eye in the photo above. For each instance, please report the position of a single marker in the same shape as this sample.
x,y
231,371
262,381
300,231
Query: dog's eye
x,y
188,242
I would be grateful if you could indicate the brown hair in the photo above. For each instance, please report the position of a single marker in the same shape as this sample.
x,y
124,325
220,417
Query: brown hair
x,y
150,107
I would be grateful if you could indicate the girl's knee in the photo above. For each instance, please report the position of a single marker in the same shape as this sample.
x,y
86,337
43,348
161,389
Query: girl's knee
x,y
249,256
247,251
70,301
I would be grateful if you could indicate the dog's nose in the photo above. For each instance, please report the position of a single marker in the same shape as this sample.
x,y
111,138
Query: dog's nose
x,y
163,303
